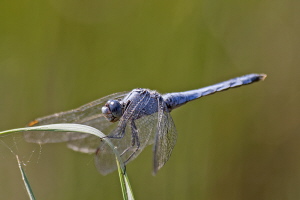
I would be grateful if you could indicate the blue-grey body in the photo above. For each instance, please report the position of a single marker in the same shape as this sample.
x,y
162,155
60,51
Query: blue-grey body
x,y
132,119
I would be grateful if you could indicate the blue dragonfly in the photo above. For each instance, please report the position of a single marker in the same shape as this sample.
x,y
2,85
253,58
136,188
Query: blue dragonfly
x,y
132,120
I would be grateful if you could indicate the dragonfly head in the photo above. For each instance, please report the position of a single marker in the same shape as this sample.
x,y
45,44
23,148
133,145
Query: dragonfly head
x,y
112,110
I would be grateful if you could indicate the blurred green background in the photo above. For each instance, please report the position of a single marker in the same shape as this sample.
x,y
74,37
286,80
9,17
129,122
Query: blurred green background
x,y
241,144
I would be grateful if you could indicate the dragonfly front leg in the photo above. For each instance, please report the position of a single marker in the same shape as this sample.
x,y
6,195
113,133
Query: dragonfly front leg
x,y
134,141
119,133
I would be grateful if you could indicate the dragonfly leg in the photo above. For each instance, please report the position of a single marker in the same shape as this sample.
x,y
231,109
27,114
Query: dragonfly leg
x,y
132,145
118,135
135,141
120,132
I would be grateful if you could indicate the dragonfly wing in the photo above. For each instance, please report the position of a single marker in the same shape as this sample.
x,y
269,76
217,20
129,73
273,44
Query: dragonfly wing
x,y
105,160
88,114
90,143
165,138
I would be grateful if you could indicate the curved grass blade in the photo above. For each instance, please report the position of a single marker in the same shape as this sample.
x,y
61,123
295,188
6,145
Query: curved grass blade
x,y
124,181
71,128
25,180
125,185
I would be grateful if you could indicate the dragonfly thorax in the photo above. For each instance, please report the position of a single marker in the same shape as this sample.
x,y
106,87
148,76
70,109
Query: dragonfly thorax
x,y
112,110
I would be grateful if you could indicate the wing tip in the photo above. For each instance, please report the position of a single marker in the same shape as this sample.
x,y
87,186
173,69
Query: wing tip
x,y
32,123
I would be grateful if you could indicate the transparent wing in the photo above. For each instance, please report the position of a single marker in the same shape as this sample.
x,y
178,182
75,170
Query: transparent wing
x,y
88,114
165,138
90,143
146,128
105,159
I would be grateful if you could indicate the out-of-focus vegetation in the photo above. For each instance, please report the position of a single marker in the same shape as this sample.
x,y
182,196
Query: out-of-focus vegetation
x,y
240,144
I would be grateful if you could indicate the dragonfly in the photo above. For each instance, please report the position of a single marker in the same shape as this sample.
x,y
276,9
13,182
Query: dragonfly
x,y
132,120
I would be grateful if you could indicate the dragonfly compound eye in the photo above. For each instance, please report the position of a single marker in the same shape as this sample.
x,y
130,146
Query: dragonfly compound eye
x,y
112,110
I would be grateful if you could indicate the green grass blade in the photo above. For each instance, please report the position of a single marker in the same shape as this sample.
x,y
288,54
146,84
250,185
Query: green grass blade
x,y
128,187
25,180
71,128
124,181
125,185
